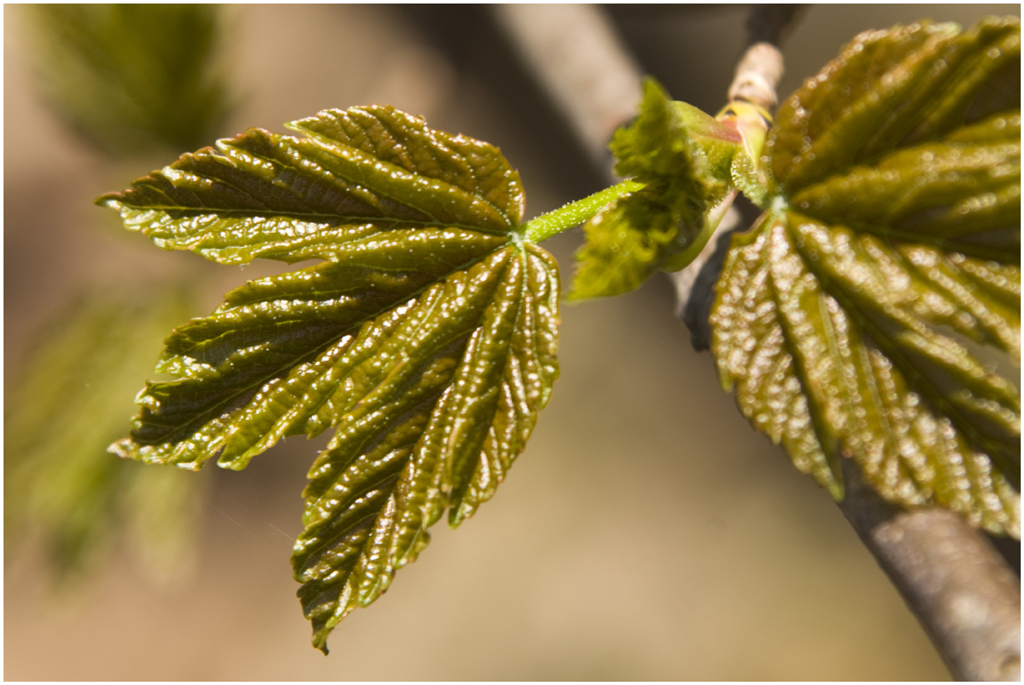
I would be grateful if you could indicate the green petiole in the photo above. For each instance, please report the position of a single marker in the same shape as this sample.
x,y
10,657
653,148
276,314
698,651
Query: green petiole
x,y
574,213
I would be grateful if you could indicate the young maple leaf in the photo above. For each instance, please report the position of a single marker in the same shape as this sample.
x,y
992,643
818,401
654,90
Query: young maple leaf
x,y
847,318
426,337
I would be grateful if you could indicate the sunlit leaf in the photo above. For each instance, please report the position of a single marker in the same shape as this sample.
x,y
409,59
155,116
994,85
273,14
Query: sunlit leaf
x,y
131,77
426,338
71,399
874,310
683,157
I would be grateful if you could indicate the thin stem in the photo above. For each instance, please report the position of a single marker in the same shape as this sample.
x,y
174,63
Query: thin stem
x,y
575,213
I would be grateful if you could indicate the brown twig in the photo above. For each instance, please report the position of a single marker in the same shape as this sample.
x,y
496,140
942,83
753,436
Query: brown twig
x,y
951,576
755,80
593,79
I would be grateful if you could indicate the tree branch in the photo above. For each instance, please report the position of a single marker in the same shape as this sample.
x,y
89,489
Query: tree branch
x,y
952,578
756,79
593,79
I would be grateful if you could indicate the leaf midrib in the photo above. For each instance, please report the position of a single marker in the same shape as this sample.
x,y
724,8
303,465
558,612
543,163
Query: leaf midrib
x,y
285,369
334,219
318,139
427,401
916,380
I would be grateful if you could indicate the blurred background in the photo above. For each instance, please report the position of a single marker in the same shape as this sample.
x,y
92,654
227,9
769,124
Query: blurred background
x,y
646,533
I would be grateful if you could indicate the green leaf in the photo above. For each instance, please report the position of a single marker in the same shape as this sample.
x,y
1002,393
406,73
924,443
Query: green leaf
x,y
427,338
683,158
873,312
70,400
892,89
132,77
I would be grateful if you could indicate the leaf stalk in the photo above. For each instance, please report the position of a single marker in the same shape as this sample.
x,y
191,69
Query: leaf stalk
x,y
575,213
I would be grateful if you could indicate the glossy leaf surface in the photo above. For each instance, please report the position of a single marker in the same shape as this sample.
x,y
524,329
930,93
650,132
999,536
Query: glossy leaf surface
x,y
683,158
426,338
874,310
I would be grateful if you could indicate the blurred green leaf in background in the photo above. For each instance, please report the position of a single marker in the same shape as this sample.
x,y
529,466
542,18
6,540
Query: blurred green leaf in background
x,y
70,401
130,78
